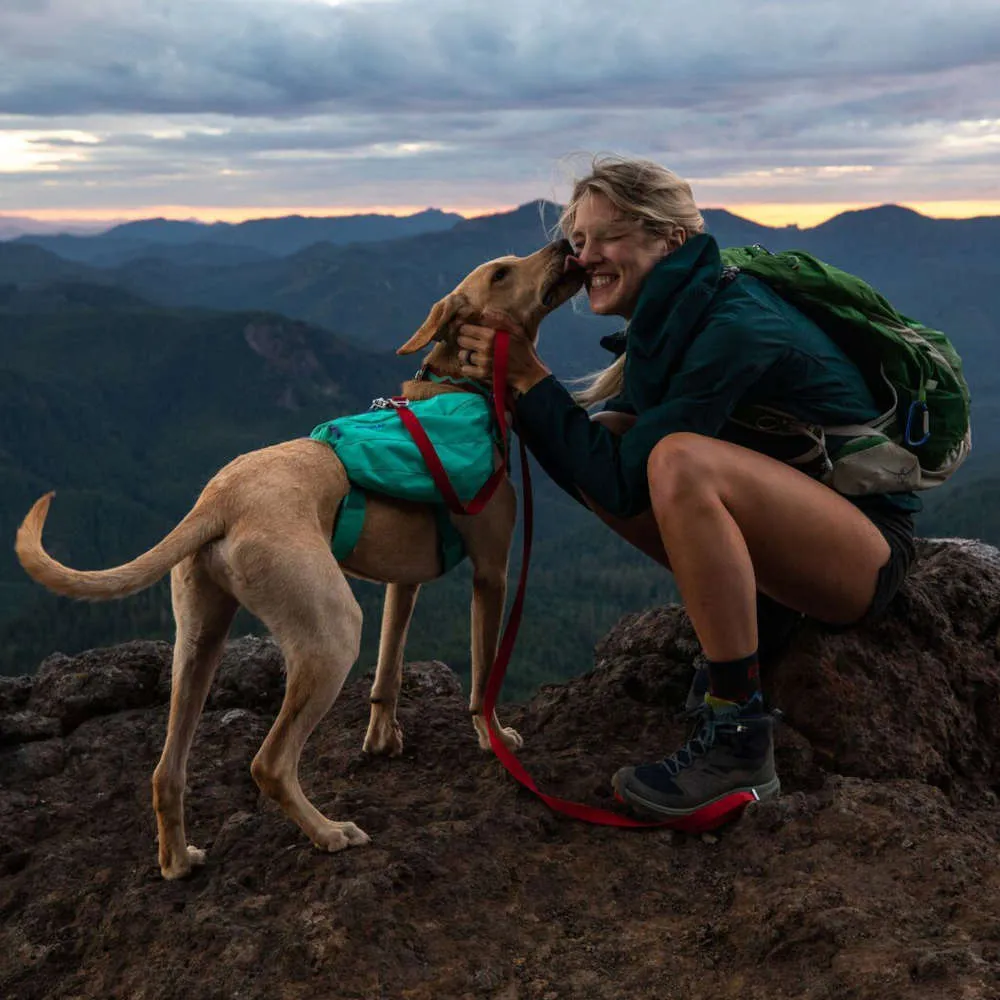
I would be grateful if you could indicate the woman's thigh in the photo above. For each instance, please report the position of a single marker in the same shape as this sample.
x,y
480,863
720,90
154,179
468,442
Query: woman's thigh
x,y
811,549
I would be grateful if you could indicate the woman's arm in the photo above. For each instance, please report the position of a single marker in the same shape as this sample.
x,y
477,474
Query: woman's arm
x,y
580,454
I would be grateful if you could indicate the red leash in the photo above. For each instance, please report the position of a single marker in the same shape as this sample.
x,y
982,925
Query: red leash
x,y
704,819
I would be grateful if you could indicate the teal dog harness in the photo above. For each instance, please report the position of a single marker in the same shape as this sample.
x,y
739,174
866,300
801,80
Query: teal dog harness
x,y
381,456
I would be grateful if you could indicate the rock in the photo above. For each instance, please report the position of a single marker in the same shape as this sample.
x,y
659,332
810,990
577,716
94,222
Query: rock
x,y
251,676
99,681
14,693
916,695
430,678
23,727
33,761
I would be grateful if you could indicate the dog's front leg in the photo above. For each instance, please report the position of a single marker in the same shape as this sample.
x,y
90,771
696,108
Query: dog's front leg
x,y
385,736
489,591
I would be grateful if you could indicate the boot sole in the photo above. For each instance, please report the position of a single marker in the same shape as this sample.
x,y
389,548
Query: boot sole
x,y
706,815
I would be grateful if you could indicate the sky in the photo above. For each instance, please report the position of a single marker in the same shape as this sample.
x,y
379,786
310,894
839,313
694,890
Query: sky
x,y
230,109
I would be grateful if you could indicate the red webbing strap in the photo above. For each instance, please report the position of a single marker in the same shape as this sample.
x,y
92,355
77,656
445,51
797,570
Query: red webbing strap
x,y
440,476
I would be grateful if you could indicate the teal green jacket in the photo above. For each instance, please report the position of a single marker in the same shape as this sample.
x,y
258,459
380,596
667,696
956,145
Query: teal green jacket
x,y
698,345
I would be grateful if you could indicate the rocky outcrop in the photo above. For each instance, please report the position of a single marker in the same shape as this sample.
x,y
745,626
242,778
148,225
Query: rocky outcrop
x,y
873,876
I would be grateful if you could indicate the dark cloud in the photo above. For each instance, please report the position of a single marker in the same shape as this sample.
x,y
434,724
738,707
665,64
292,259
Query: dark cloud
x,y
245,57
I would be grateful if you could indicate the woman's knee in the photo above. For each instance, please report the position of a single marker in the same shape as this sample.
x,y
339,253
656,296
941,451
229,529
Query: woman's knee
x,y
681,464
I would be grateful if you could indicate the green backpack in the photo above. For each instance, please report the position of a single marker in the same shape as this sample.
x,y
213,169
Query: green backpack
x,y
923,435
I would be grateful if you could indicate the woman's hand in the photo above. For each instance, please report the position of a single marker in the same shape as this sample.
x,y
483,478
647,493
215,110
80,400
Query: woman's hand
x,y
524,367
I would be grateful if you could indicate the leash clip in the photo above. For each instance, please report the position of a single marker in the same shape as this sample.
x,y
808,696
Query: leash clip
x,y
393,403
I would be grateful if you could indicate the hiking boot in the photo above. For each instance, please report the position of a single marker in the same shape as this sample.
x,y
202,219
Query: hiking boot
x,y
727,753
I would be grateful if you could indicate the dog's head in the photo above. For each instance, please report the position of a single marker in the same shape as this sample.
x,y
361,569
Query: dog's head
x,y
526,289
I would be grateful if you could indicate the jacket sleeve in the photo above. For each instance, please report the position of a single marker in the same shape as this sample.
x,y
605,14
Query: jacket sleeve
x,y
580,455
572,449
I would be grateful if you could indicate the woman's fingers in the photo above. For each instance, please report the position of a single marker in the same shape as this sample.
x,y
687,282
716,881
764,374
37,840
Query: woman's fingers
x,y
478,338
475,351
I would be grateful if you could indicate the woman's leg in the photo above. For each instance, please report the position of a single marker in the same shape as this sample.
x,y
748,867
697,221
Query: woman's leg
x,y
775,621
734,522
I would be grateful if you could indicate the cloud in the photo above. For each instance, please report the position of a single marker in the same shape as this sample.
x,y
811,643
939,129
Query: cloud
x,y
253,57
441,101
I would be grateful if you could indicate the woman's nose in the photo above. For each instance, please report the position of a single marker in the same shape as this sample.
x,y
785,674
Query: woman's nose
x,y
586,256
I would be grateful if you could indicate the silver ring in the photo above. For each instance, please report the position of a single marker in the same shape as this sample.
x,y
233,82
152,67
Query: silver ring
x,y
468,358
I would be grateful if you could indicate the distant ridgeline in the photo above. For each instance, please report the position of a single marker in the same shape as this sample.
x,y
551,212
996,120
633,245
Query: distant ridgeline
x,y
136,363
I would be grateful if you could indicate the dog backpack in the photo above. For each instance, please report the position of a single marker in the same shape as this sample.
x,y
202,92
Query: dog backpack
x,y
381,456
923,434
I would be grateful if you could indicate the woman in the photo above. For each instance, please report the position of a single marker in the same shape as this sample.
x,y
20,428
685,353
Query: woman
x,y
668,468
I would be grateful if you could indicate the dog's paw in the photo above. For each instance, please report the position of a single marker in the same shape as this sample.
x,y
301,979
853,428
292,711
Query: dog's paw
x,y
337,836
193,857
510,738
384,737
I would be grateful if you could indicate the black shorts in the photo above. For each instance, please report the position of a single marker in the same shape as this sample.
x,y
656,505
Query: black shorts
x,y
776,622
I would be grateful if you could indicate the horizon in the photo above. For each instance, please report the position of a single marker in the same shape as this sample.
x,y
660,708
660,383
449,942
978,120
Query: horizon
x,y
804,216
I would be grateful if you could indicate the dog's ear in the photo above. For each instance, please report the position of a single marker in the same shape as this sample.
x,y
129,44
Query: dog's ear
x,y
440,319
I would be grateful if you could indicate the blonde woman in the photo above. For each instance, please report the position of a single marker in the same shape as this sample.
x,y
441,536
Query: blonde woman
x,y
667,467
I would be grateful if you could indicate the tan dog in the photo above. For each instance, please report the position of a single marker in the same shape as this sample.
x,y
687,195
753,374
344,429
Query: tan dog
x,y
259,535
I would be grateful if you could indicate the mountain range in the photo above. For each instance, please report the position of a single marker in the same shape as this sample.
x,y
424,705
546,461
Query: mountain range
x,y
259,239
378,291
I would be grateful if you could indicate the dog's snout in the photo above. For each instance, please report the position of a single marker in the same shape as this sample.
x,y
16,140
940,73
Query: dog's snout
x,y
563,247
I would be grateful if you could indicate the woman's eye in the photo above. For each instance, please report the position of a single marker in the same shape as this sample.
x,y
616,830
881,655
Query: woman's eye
x,y
499,274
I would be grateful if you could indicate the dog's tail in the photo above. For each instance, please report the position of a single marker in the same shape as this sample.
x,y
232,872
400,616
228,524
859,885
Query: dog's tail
x,y
198,528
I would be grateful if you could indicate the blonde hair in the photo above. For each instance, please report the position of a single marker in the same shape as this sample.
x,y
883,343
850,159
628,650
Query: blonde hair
x,y
644,192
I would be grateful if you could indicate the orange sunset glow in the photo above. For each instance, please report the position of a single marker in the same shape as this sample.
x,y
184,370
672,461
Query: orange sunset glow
x,y
769,214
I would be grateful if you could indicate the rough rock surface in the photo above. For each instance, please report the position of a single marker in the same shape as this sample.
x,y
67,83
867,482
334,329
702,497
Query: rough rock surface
x,y
875,875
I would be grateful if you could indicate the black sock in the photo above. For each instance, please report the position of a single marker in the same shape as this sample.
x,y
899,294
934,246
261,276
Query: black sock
x,y
734,680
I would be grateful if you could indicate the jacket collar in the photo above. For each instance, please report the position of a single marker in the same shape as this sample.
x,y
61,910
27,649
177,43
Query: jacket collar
x,y
674,298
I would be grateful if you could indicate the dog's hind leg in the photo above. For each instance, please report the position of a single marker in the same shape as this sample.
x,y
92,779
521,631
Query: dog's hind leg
x,y
385,736
203,613
297,589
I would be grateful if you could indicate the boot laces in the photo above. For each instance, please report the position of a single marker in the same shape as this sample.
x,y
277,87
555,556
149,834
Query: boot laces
x,y
705,725
701,740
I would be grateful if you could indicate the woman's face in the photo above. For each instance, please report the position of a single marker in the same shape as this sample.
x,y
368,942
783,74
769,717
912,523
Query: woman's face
x,y
616,252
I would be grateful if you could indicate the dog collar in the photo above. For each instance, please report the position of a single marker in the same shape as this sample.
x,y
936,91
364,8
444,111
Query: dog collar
x,y
428,374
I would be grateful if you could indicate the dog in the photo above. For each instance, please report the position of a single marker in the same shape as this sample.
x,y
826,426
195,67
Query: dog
x,y
259,536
